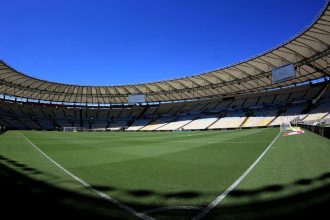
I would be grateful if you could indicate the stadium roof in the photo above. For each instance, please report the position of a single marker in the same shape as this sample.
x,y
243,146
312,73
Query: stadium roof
x,y
308,51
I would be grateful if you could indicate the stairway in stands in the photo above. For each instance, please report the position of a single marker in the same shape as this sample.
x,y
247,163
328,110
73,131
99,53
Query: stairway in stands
x,y
130,122
315,100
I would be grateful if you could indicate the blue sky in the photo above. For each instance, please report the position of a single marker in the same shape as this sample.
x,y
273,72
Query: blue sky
x,y
107,42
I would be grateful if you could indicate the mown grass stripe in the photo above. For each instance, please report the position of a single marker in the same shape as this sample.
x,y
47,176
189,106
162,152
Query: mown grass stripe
x,y
98,192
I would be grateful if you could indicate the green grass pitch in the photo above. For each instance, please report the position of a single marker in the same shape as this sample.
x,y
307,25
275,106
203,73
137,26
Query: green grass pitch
x,y
165,169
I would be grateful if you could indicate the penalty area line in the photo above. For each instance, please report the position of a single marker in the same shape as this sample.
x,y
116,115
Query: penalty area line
x,y
217,200
98,192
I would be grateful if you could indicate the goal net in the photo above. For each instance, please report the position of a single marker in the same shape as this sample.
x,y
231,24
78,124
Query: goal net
x,y
288,130
76,129
286,125
70,129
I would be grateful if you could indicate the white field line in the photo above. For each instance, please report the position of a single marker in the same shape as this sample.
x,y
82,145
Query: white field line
x,y
101,194
222,142
217,200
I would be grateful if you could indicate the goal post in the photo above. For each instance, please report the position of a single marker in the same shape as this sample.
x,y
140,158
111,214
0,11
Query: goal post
x,y
287,129
285,125
70,129
79,129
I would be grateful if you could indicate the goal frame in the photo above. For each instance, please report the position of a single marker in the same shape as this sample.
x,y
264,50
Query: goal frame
x,y
285,125
70,129
82,129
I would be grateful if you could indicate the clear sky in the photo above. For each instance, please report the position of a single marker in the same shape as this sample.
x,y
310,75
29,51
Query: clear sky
x,y
111,42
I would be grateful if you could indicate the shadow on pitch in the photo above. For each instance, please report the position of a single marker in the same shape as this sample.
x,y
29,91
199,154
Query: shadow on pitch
x,y
103,188
20,166
141,193
31,198
267,189
278,188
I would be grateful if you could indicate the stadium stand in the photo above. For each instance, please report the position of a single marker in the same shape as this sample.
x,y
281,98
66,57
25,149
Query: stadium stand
x,y
138,124
201,123
318,113
229,122
177,124
265,109
261,118
157,124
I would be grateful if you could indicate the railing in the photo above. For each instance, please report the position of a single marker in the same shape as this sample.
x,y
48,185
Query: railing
x,y
323,131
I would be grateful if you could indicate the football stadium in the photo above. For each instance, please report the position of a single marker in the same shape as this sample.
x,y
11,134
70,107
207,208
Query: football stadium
x,y
246,141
